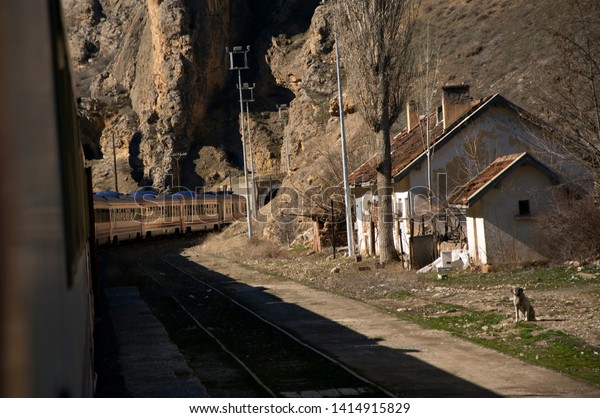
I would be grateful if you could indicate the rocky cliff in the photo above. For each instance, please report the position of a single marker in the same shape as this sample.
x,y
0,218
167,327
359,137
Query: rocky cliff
x,y
153,77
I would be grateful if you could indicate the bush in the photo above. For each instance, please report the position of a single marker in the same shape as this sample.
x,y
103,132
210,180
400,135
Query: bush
x,y
570,231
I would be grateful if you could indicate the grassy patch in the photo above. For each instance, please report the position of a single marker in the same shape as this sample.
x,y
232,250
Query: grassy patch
x,y
528,341
399,295
537,277
455,319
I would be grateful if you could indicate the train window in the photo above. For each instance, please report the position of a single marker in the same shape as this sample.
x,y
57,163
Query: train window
x,y
212,208
102,215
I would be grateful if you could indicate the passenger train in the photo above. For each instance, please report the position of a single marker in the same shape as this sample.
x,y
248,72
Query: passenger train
x,y
46,304
145,214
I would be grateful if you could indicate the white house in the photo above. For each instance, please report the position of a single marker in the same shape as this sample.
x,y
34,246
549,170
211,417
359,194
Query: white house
x,y
500,203
465,136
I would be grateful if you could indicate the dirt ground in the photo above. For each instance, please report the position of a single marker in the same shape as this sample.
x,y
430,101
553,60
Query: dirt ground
x,y
566,298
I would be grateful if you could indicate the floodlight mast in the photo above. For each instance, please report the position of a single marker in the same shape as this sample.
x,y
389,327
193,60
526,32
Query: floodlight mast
x,y
238,50
347,198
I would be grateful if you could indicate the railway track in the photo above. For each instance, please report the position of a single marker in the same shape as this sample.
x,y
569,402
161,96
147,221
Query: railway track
x,y
196,308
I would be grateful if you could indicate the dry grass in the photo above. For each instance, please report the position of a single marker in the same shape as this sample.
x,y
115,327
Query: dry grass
x,y
233,243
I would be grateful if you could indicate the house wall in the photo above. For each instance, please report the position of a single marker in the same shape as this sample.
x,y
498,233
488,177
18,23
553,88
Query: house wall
x,y
362,208
496,132
476,234
401,222
496,232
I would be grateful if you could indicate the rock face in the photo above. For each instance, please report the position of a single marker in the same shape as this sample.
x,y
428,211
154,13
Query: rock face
x,y
146,71
153,76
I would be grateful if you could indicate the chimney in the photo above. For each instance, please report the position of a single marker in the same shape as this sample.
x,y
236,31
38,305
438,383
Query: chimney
x,y
455,101
412,115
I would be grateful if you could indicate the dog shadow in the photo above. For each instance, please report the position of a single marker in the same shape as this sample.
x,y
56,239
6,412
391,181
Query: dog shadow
x,y
550,319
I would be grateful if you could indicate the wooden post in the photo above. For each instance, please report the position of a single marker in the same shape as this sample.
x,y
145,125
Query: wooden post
x,y
332,230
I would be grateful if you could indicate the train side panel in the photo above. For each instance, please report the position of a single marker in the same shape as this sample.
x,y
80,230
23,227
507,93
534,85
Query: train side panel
x,y
102,220
125,216
45,311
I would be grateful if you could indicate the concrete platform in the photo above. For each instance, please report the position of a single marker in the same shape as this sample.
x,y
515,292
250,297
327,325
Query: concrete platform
x,y
151,363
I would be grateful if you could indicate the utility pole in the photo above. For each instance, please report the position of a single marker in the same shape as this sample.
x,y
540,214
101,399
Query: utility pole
x,y
239,52
114,150
177,156
246,86
347,200
281,107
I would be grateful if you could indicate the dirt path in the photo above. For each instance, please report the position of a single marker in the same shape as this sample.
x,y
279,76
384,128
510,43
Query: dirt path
x,y
403,357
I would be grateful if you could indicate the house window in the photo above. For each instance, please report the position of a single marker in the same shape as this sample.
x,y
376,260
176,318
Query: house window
x,y
524,209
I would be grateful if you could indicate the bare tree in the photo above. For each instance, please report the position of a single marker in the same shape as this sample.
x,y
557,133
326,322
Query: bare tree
x,y
375,38
476,155
573,101
427,76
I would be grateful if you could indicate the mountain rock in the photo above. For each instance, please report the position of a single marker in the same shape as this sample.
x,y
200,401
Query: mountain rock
x,y
154,75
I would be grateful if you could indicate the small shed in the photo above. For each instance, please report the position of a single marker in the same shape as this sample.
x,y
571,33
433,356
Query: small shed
x,y
499,206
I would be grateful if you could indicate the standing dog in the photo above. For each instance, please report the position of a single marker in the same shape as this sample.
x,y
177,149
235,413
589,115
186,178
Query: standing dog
x,y
522,305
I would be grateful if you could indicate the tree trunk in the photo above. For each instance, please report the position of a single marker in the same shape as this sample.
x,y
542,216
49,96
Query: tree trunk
x,y
387,249
385,224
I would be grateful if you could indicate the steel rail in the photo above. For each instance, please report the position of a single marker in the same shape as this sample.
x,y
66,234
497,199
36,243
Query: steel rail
x,y
210,334
286,333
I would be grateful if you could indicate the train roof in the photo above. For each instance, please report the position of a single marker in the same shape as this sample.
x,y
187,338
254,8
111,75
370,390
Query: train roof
x,y
107,193
121,199
143,197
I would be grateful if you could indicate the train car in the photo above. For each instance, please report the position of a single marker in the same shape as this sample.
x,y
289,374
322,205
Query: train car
x,y
232,207
118,218
145,215
239,207
46,317
163,215
200,211
102,220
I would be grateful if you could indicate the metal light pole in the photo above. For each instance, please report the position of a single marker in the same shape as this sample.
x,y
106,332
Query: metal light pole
x,y
281,107
240,52
348,203
177,156
247,86
114,150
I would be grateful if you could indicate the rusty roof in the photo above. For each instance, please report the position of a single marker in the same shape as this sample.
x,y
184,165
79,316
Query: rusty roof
x,y
409,146
471,192
464,195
